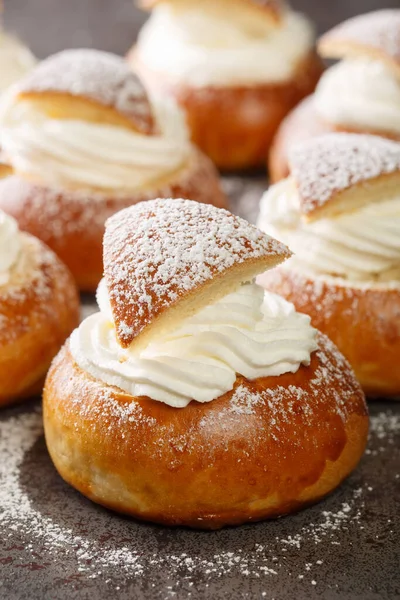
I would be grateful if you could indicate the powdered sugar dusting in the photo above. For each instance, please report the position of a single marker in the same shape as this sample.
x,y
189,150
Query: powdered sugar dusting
x,y
101,545
100,76
379,30
156,252
333,163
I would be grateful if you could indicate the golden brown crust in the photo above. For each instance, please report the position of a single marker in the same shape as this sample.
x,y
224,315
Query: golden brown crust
x,y
339,172
302,124
363,323
72,223
38,310
218,118
88,85
265,449
375,35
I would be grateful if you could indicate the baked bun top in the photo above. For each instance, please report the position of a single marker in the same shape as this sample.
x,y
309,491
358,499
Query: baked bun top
x,y
89,85
341,170
164,260
375,35
267,9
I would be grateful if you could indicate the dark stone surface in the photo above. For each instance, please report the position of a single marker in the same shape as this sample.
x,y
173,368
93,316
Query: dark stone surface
x,y
56,545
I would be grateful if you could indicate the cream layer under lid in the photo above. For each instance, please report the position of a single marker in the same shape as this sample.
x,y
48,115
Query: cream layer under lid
x,y
208,45
360,93
361,245
80,154
159,257
249,332
10,246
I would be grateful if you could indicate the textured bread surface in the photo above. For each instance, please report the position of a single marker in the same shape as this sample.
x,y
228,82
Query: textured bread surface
x,y
39,307
339,172
300,125
72,222
374,35
235,126
267,448
165,260
88,85
364,323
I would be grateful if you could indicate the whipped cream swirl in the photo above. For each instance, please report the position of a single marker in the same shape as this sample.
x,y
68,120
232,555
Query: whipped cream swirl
x,y
249,332
361,245
10,246
201,46
82,154
15,60
361,94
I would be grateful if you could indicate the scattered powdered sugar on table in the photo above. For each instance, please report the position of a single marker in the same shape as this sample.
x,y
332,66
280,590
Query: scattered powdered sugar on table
x,y
332,163
18,515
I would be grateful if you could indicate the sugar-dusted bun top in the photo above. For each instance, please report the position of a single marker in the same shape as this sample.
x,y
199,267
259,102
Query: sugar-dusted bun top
x,y
166,259
270,9
340,172
375,35
90,85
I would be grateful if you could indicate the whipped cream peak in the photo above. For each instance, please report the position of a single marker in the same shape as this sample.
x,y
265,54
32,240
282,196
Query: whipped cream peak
x,y
359,245
10,246
203,46
360,93
80,154
249,332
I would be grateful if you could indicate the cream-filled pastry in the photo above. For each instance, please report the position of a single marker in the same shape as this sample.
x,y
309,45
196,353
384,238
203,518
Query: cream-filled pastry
x,y
15,59
196,396
39,307
359,94
235,67
84,140
339,212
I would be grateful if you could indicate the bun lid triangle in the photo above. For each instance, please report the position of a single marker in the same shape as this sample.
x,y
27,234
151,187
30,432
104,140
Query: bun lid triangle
x,y
88,85
272,10
164,260
340,172
375,35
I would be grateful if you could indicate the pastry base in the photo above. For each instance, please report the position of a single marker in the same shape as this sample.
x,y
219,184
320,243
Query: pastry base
x,y
265,449
38,312
364,323
235,126
72,222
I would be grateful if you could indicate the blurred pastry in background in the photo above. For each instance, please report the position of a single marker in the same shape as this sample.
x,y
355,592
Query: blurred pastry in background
x,y
84,140
359,94
39,307
194,397
236,68
15,58
339,212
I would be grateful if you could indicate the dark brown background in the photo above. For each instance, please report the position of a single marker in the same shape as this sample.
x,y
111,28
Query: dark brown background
x,y
51,25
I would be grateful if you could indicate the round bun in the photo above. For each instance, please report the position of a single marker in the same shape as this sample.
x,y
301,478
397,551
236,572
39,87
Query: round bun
x,y
72,223
69,216
39,307
265,449
235,126
371,313
301,124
